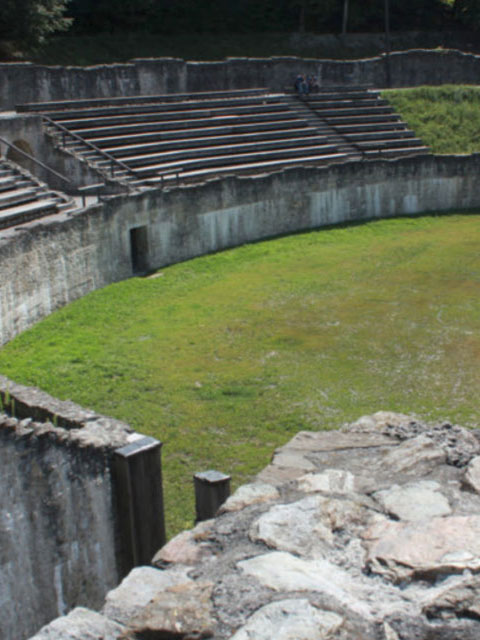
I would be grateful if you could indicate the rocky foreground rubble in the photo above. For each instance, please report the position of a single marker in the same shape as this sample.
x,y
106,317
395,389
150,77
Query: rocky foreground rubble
x,y
371,532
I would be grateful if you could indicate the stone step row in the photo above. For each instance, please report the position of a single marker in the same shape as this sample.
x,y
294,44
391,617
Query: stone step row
x,y
175,106
233,160
118,148
61,105
166,116
23,198
185,135
145,159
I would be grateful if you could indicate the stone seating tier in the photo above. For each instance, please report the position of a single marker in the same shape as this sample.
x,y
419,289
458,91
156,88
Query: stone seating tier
x,y
196,135
23,198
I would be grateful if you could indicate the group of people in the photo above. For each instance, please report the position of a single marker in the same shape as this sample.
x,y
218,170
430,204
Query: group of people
x,y
306,84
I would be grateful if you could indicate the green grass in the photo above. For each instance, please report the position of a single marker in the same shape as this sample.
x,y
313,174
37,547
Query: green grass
x,y
225,357
446,118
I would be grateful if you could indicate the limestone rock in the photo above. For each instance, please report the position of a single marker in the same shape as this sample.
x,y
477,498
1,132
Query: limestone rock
x,y
139,588
296,527
282,571
329,481
306,527
182,549
406,550
460,599
293,619
249,494
81,624
472,474
181,611
378,422
413,454
414,501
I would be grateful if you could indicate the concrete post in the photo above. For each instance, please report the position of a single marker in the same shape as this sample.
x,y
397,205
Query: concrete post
x,y
212,488
137,476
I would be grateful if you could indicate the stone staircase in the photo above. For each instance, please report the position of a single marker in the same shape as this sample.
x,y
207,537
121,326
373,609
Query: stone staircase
x,y
365,121
24,198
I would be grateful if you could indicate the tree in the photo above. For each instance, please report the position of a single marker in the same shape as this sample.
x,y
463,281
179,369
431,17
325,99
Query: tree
x,y
28,22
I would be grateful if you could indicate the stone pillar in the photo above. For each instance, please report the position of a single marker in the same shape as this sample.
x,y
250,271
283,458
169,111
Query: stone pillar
x,y
137,479
212,488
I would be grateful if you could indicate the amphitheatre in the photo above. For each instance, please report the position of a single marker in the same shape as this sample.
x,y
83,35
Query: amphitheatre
x,y
118,171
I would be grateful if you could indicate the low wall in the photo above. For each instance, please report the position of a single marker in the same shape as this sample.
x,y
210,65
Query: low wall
x,y
26,82
65,512
49,263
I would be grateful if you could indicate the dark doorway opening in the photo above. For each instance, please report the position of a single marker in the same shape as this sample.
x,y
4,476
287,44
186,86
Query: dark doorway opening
x,y
139,249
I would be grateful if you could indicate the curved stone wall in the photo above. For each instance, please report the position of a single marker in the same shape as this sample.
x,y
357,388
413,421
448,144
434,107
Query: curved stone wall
x,y
26,82
51,262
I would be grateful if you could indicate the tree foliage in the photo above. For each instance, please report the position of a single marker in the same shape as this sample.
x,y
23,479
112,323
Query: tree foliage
x,y
29,22
321,16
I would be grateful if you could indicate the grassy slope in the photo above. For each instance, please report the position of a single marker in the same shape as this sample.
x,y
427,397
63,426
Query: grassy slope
x,y
446,118
227,356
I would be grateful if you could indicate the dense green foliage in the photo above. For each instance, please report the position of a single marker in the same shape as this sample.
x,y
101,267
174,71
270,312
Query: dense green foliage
x,y
446,118
29,22
226,357
167,16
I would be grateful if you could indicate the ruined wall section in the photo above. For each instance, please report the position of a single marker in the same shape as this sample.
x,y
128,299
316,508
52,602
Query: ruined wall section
x,y
26,82
58,528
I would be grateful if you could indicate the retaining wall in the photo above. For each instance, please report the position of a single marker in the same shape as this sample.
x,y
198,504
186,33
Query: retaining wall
x,y
67,524
26,82
51,262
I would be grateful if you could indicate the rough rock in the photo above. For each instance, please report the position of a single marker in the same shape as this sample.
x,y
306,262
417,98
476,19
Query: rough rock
x,y
329,481
420,454
282,571
414,501
139,588
181,611
306,527
249,494
401,551
293,619
454,598
183,548
472,474
81,624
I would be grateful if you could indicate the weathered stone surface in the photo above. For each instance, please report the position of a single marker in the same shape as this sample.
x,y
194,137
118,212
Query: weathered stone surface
x,y
181,611
282,571
414,501
418,453
306,527
139,588
183,549
379,422
81,624
329,481
455,598
472,474
249,494
293,619
401,551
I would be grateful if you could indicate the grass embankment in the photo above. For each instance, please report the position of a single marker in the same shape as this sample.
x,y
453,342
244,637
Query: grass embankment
x,y
446,118
225,357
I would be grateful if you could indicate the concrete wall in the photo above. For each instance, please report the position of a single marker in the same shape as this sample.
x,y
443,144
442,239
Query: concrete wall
x,y
50,263
26,82
21,129
65,506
